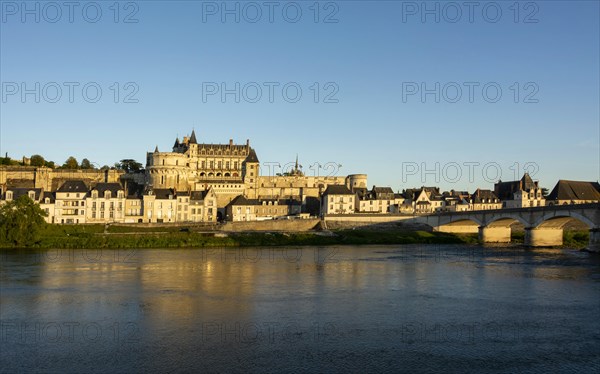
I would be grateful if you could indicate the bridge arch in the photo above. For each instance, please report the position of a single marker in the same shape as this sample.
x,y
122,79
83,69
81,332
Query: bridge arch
x,y
463,222
554,220
505,220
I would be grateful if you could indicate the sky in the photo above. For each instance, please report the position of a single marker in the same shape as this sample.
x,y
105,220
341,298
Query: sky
x,y
410,93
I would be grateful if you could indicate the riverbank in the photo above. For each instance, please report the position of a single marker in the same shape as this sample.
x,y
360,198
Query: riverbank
x,y
115,236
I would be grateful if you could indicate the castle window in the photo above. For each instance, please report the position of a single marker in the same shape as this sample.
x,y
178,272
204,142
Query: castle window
x,y
163,162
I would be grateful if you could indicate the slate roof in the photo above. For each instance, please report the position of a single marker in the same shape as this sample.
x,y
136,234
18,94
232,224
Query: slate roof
x,y
198,195
112,187
575,190
134,190
49,195
242,200
193,138
413,193
505,190
18,192
163,193
252,157
337,189
361,192
479,195
73,186
383,190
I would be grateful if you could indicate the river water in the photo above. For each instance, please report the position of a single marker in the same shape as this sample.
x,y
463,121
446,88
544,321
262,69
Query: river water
x,y
429,308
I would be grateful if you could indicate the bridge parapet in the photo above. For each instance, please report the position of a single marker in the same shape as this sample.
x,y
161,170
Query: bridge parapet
x,y
543,225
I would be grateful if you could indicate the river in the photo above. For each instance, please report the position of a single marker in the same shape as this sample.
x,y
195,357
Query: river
x,y
416,308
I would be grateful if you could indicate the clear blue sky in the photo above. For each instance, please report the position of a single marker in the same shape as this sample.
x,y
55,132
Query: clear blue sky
x,y
370,53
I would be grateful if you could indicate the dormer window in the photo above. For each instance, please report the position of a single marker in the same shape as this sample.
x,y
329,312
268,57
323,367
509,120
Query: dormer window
x,y
120,194
94,194
46,201
31,195
9,195
107,194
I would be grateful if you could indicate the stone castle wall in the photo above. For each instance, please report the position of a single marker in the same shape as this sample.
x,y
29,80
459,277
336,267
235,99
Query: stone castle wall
x,y
51,179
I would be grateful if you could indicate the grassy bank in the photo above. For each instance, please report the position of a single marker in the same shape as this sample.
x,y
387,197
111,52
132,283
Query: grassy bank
x,y
571,238
94,236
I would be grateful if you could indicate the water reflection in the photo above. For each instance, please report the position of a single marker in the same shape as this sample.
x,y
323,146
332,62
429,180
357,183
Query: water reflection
x,y
308,309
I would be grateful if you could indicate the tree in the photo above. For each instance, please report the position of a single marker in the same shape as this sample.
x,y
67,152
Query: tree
x,y
50,164
37,160
71,163
21,221
129,166
86,164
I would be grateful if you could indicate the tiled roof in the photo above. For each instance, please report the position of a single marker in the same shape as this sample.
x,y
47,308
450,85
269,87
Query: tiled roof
x,y
575,190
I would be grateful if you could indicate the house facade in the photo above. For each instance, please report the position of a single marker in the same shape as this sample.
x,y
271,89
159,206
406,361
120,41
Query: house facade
x,y
338,199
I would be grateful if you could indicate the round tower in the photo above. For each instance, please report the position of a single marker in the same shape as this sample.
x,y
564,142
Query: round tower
x,y
356,181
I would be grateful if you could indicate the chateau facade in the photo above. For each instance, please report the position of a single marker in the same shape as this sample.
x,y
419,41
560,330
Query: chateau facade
x,y
231,170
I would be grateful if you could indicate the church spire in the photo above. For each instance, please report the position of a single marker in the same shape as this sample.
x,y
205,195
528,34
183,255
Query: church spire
x,y
156,149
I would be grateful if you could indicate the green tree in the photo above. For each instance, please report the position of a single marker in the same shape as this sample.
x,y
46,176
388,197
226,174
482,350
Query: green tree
x,y
86,164
129,165
71,163
50,164
37,160
21,222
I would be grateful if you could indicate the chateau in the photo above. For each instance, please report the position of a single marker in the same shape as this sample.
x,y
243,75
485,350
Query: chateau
x,y
194,182
200,182
232,170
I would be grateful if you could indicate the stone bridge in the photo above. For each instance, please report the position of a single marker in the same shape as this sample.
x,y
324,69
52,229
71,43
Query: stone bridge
x,y
543,225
